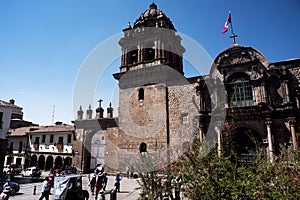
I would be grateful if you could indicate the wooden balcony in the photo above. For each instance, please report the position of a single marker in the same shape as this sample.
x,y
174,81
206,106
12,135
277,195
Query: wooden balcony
x,y
59,145
36,146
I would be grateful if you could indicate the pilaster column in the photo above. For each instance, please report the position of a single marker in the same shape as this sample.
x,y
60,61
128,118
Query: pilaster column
x,y
270,142
201,136
287,91
264,92
219,141
140,52
292,122
156,49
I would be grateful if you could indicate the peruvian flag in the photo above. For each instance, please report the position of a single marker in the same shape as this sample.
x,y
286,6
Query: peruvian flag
x,y
228,21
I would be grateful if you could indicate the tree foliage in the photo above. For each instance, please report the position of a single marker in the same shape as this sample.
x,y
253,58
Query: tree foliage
x,y
223,178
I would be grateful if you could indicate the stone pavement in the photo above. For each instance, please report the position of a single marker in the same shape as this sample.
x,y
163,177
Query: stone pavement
x,y
128,189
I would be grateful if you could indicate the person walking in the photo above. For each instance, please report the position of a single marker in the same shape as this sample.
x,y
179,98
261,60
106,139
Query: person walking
x,y
104,181
92,183
117,182
45,190
98,185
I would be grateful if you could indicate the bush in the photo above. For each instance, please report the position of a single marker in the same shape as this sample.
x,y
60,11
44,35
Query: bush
x,y
223,178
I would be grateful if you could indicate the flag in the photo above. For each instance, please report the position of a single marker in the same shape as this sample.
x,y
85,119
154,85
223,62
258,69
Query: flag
x,y
228,21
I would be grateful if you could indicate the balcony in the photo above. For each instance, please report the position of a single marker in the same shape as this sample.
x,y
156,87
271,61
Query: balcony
x,y
60,145
36,146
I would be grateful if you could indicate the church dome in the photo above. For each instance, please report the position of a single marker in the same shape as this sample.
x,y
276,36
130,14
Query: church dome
x,y
153,18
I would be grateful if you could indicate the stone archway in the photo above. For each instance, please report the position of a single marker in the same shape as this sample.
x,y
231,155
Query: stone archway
x,y
68,161
41,162
33,161
49,163
246,142
58,162
94,150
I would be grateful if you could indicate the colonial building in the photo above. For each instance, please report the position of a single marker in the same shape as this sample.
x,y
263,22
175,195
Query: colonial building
x,y
17,148
7,111
159,107
51,145
42,146
11,116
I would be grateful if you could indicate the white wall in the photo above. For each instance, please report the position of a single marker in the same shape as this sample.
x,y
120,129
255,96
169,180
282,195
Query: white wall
x,y
47,147
5,121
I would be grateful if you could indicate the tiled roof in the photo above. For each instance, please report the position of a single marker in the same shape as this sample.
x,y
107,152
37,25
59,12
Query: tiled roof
x,y
6,104
20,131
40,129
59,128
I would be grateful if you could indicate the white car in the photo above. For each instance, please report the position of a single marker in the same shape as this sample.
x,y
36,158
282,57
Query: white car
x,y
32,172
6,169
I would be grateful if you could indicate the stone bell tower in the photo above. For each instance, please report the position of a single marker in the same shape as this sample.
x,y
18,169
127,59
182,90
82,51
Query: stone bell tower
x,y
151,55
151,41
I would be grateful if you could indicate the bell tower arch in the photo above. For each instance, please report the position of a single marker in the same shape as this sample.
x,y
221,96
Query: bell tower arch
x,y
148,41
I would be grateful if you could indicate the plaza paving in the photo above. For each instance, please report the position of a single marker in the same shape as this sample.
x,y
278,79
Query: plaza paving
x,y
128,189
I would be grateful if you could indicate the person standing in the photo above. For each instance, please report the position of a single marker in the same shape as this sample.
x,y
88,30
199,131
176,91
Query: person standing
x,y
45,190
117,182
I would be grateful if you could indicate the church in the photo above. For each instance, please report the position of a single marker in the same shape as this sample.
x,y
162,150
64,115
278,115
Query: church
x,y
245,98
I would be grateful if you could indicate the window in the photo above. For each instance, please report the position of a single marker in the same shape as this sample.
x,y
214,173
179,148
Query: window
x,y
69,138
184,118
240,93
20,147
143,147
51,138
150,52
11,147
61,139
1,118
133,55
44,139
37,140
141,94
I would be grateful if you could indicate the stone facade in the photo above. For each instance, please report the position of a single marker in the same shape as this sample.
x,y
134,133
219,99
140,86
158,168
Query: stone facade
x,y
160,108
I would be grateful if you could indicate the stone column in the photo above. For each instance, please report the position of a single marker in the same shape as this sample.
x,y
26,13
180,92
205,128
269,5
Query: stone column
x,y
292,122
264,92
219,141
201,136
270,142
287,91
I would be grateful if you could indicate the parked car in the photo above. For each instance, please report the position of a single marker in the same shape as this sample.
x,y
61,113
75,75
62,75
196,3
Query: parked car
x,y
15,187
32,172
13,168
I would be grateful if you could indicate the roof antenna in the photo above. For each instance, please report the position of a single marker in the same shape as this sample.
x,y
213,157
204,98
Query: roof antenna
x,y
53,114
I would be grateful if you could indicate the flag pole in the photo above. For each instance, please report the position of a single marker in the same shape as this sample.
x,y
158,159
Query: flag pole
x,y
233,36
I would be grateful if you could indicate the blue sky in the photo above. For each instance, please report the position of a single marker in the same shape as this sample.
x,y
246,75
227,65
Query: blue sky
x,y
43,43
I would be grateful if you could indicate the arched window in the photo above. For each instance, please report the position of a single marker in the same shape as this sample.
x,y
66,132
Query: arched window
x,y
141,94
240,92
133,56
149,52
143,147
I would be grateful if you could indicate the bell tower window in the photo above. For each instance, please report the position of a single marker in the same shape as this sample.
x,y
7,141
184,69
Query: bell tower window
x,y
133,55
150,52
141,94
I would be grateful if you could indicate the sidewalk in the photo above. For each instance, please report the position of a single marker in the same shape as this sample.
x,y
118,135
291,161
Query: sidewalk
x,y
128,188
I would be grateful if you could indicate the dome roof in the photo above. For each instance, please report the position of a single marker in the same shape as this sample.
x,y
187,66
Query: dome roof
x,y
153,18
239,54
